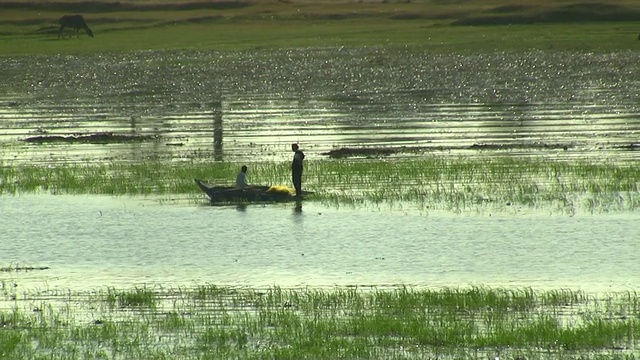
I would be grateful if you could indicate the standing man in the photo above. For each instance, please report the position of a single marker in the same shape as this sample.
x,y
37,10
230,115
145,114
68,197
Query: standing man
x,y
296,169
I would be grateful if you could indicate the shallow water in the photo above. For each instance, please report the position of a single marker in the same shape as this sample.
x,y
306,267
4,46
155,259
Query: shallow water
x,y
250,105
89,242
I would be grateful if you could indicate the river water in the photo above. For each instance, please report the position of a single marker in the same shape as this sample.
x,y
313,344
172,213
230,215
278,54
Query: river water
x,y
250,105
89,242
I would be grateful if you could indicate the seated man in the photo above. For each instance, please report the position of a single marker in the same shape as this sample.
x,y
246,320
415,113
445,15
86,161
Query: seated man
x,y
241,179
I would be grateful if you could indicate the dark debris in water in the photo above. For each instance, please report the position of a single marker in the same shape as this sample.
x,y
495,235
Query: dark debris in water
x,y
533,145
22,268
632,146
346,152
96,138
8,103
377,151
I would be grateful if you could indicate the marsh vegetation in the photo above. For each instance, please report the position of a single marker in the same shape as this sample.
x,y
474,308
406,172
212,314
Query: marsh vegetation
x,y
431,182
457,106
211,321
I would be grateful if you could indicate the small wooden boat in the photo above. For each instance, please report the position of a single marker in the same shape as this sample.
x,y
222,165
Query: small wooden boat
x,y
230,194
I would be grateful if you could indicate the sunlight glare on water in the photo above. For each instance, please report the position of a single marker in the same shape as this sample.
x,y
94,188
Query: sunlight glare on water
x,y
252,103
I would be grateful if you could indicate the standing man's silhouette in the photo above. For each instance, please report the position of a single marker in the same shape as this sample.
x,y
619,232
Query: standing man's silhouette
x,y
296,169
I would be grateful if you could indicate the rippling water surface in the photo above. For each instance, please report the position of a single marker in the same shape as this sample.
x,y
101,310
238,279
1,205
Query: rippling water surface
x,y
251,105
90,241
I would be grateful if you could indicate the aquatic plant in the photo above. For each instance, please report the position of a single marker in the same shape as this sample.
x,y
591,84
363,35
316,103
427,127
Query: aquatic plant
x,y
138,297
455,183
212,321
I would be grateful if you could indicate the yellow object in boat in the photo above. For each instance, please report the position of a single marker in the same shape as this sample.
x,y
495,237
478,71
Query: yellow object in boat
x,y
281,189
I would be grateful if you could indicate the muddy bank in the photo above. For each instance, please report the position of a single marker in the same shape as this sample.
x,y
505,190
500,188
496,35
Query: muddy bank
x,y
579,12
99,6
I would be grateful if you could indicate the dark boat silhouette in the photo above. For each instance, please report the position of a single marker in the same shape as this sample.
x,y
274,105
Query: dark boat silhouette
x,y
230,194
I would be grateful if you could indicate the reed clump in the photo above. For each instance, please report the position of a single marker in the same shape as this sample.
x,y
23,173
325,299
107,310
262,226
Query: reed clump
x,y
214,321
136,298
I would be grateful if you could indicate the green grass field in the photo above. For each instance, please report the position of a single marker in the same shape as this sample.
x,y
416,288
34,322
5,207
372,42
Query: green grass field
x,y
443,26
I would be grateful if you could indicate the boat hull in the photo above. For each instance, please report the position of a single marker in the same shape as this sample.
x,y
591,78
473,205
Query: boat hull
x,y
229,194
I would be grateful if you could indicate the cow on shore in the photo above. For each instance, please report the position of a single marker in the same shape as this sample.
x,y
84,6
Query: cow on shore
x,y
76,22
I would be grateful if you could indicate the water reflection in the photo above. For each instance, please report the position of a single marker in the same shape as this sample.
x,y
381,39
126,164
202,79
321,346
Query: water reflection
x,y
342,246
268,102
217,131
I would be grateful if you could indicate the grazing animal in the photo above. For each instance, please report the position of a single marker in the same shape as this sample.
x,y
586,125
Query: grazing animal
x,y
76,22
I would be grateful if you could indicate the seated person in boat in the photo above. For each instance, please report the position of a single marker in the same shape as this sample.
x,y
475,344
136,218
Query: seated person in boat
x,y
241,179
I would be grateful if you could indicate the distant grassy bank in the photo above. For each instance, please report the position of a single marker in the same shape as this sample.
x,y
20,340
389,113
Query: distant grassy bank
x,y
31,28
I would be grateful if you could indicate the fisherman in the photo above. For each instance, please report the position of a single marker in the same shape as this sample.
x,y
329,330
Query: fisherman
x,y
241,179
296,169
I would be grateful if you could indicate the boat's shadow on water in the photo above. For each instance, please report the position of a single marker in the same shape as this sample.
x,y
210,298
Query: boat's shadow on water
x,y
297,207
243,207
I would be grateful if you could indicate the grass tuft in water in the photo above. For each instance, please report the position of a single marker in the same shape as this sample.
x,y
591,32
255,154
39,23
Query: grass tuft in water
x,y
137,298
